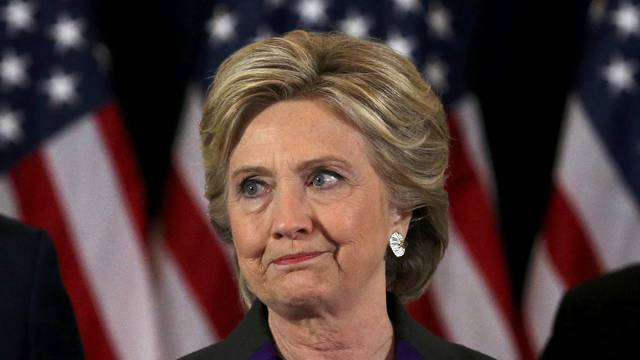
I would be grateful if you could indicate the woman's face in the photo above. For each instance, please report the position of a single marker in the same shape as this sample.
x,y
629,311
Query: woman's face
x,y
310,218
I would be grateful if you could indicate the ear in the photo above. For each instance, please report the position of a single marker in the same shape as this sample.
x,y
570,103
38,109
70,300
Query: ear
x,y
401,221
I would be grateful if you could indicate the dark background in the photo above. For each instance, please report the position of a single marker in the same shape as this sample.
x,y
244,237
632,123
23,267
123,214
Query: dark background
x,y
524,58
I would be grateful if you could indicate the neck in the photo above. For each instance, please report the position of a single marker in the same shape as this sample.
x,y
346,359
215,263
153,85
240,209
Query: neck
x,y
336,334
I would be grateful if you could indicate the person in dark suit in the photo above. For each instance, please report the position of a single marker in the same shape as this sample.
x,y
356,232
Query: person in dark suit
x,y
36,319
599,319
325,159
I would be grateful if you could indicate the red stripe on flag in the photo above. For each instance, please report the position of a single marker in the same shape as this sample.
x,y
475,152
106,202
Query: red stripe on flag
x,y
568,244
422,311
473,217
40,207
201,258
124,163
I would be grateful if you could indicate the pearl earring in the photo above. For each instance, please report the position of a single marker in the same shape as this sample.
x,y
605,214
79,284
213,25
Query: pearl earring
x,y
397,244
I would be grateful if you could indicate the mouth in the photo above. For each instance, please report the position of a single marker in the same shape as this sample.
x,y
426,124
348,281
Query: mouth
x,y
296,258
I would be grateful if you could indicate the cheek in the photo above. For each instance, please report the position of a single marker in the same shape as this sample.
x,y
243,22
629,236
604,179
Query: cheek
x,y
359,223
246,235
249,250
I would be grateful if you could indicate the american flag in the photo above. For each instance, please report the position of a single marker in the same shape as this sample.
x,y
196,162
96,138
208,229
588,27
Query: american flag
x,y
593,219
469,300
65,165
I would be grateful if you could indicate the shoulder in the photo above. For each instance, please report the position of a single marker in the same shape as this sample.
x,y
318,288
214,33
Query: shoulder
x,y
21,248
215,351
38,318
598,316
428,345
609,299
18,237
26,255
18,249
618,286
244,341
433,348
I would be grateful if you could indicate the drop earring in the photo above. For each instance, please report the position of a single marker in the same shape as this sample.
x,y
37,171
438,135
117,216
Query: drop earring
x,y
397,244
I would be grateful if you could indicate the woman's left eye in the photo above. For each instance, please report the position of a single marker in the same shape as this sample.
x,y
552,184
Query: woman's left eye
x,y
325,179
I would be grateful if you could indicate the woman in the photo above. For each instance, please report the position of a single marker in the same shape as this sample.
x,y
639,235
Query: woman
x,y
325,160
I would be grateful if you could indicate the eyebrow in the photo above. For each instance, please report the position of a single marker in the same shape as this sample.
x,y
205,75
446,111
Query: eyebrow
x,y
251,169
302,166
321,161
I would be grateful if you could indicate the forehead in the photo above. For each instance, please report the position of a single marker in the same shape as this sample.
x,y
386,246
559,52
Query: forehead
x,y
298,130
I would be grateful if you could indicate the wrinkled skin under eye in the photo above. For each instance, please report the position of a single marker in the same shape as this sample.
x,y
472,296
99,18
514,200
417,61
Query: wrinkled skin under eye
x,y
327,187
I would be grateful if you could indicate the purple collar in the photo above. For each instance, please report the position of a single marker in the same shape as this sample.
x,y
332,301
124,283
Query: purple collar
x,y
404,351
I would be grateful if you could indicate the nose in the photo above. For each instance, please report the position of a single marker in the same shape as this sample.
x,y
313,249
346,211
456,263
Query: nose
x,y
291,214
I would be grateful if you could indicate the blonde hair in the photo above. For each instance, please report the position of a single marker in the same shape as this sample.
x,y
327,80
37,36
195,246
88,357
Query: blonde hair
x,y
384,97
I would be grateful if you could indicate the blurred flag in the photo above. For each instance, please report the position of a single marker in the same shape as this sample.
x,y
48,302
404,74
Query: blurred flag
x,y
197,294
470,300
65,165
593,220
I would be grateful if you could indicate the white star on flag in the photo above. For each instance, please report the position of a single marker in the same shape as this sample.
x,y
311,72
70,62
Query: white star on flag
x,y
355,25
61,88
627,19
13,69
439,21
401,44
10,130
222,26
67,33
406,5
312,11
19,16
619,74
436,74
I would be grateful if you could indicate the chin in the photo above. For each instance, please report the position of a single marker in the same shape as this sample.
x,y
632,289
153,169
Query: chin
x,y
302,294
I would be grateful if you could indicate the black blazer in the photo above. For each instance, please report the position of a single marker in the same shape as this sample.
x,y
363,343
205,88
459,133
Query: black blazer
x,y
36,320
253,332
599,319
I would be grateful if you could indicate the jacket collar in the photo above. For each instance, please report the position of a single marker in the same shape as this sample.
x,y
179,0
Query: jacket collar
x,y
253,331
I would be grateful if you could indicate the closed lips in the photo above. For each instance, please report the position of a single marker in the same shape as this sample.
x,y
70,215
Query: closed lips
x,y
295,258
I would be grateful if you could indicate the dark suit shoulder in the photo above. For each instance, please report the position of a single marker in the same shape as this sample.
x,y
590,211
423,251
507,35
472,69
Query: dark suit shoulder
x,y
226,349
20,251
620,286
436,348
432,347
611,299
18,239
252,333
599,318
35,312
21,247
215,351
429,345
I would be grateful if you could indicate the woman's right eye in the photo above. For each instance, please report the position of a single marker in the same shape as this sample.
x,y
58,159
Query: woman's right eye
x,y
251,188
